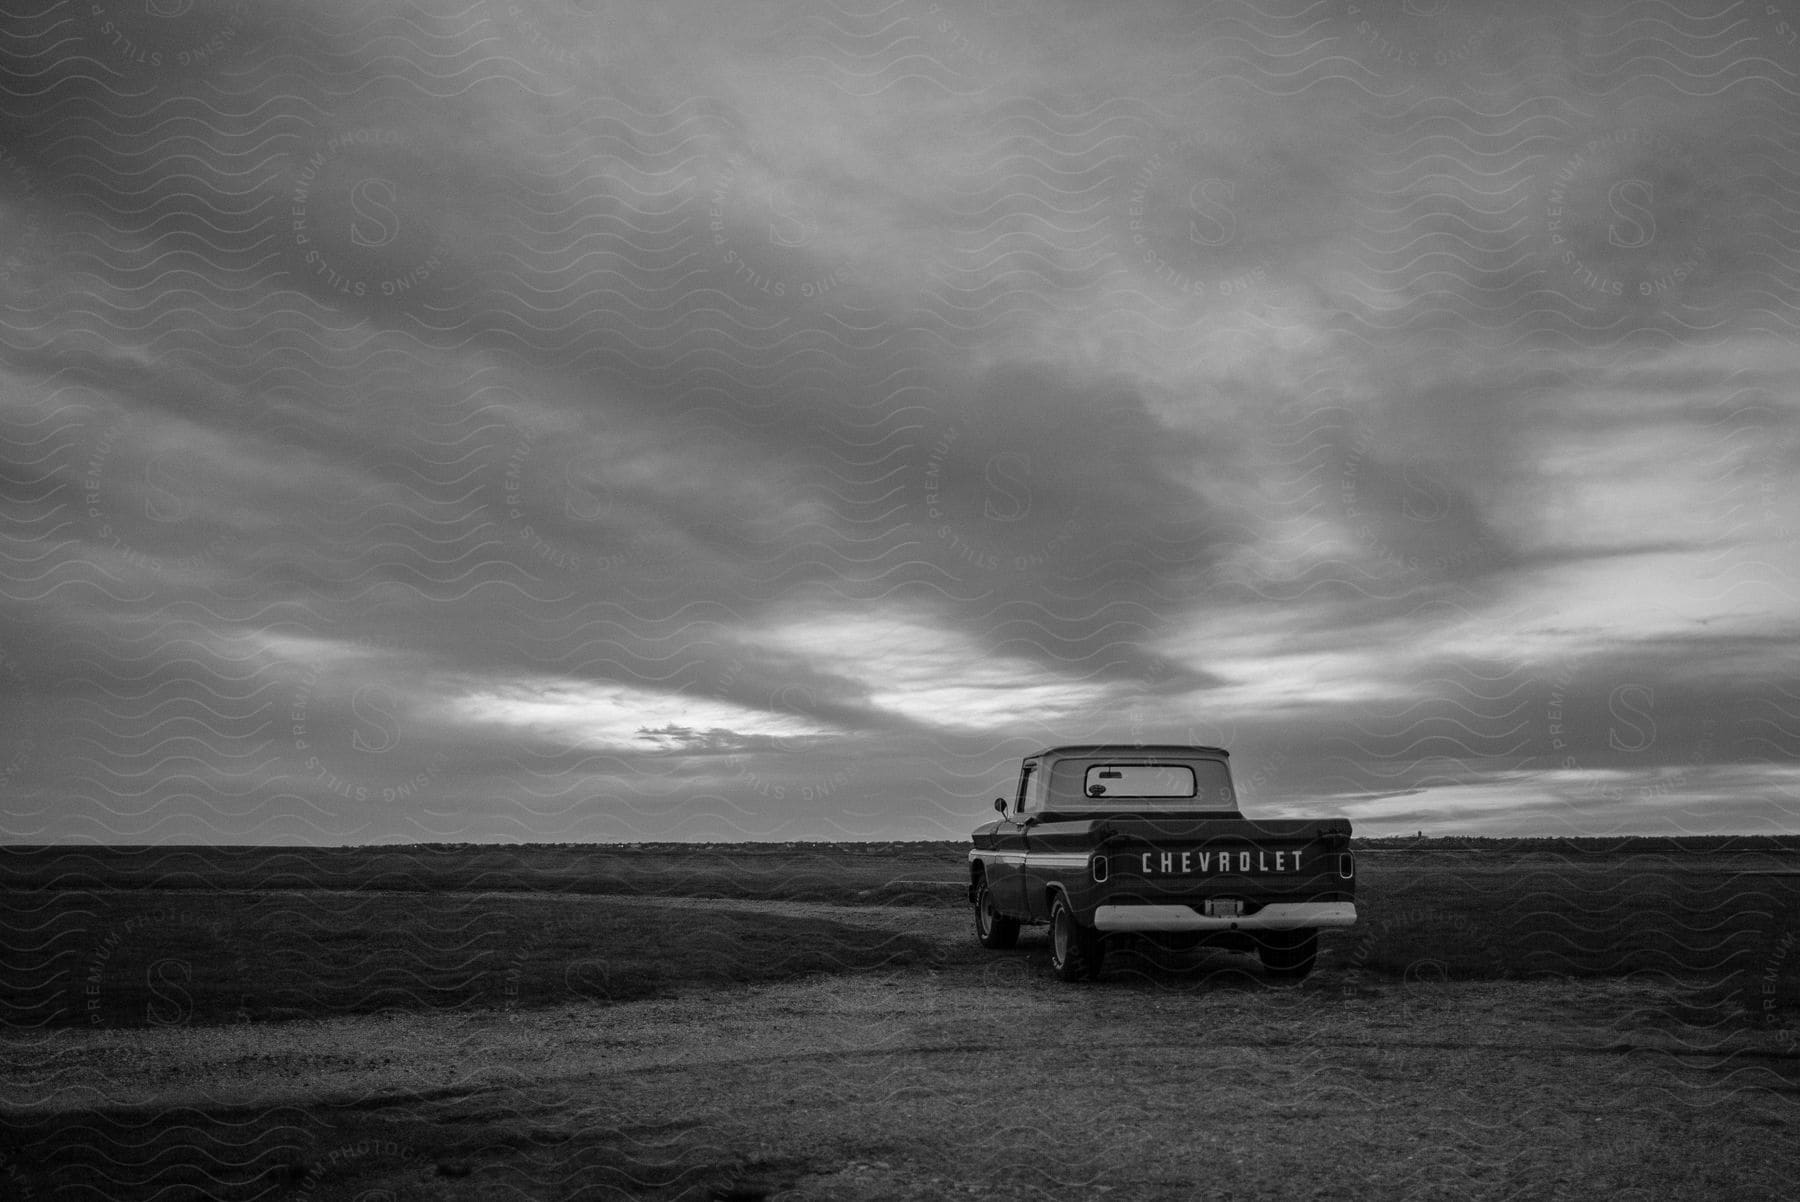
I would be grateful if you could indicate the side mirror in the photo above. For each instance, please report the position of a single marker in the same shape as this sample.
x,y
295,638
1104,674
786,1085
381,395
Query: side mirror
x,y
1000,804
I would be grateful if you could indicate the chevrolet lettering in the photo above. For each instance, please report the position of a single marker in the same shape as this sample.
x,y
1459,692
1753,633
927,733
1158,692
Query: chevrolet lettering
x,y
1168,863
1109,841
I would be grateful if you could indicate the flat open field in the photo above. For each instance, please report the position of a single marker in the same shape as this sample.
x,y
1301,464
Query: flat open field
x,y
816,1022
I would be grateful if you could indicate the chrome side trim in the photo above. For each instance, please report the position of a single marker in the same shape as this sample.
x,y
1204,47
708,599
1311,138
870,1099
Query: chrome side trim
x,y
1277,916
1035,859
1056,859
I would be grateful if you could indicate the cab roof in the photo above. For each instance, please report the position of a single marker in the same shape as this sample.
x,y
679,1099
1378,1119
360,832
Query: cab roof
x,y
1091,750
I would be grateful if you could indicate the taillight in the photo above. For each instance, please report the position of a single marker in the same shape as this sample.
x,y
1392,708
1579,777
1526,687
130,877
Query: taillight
x,y
1346,864
1100,868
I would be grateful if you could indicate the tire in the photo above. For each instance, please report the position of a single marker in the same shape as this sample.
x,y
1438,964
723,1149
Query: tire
x,y
1288,955
1075,950
993,930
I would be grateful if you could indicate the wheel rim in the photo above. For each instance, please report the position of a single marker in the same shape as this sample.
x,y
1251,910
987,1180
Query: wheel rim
x,y
984,913
1059,934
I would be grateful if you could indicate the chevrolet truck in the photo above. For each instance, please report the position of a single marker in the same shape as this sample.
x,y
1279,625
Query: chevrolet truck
x,y
1105,841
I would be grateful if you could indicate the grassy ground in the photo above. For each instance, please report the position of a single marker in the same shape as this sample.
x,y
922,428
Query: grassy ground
x,y
1463,917
134,958
885,1043
856,873
851,873
145,938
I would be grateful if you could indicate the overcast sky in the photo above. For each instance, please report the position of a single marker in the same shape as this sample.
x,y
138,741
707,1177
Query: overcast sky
x,y
560,420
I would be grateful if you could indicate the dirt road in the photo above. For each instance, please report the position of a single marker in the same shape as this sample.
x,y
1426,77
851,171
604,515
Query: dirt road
x,y
1193,1078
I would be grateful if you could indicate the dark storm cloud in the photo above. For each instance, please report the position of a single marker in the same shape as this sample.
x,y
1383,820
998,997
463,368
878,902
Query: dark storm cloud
x,y
535,421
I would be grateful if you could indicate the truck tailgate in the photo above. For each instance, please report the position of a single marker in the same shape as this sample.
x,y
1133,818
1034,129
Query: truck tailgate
x,y
1260,862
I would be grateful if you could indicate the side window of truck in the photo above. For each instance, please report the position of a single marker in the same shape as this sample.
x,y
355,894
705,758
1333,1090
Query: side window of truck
x,y
1024,796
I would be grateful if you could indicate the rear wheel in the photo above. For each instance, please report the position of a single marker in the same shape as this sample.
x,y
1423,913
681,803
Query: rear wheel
x,y
1075,950
1288,955
993,930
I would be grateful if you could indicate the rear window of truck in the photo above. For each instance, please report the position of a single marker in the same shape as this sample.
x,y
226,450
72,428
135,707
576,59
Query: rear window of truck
x,y
1208,783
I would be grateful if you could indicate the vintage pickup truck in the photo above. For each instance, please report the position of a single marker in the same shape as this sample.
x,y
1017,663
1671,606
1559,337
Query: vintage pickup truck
x,y
1112,840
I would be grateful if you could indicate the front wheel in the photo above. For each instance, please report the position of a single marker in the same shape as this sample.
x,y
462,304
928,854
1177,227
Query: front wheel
x,y
1288,955
993,930
1075,950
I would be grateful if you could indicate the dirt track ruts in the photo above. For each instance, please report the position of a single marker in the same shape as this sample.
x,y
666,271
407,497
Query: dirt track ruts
x,y
989,1077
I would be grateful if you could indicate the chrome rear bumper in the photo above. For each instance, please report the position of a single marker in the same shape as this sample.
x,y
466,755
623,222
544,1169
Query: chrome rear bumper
x,y
1277,916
